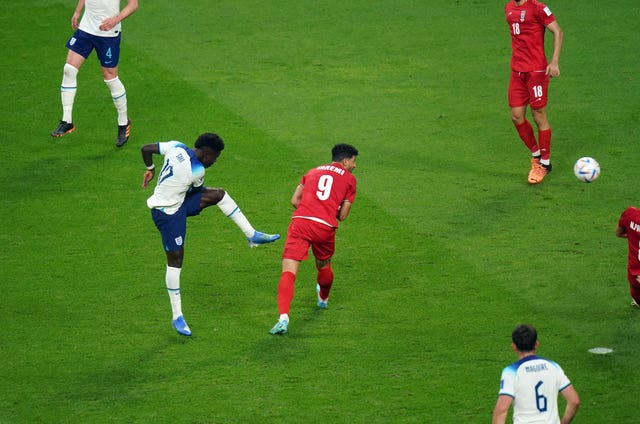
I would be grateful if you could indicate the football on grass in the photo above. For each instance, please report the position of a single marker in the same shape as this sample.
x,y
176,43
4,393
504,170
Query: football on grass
x,y
586,169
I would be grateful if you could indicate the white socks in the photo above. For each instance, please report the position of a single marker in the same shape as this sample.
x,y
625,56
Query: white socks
x,y
119,96
68,91
229,207
173,288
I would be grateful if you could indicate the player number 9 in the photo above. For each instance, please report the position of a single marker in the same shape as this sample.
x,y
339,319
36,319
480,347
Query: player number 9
x,y
324,187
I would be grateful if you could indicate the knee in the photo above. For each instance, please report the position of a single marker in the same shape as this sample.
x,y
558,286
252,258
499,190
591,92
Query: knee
x,y
174,258
517,118
69,71
322,264
212,196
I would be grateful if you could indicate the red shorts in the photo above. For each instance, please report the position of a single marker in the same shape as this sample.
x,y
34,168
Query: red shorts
x,y
304,233
528,88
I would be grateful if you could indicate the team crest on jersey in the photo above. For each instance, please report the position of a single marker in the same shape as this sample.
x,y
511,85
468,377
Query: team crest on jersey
x,y
522,15
72,41
179,241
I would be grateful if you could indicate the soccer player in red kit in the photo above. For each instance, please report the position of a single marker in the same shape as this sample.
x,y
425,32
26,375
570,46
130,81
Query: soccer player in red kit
x,y
530,72
322,198
629,228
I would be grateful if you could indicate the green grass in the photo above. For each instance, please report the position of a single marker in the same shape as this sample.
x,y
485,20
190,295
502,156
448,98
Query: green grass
x,y
446,250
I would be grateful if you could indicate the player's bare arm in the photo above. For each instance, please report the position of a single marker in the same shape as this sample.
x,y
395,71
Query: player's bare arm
x,y
553,68
128,10
297,196
621,232
75,19
501,409
344,210
573,403
148,150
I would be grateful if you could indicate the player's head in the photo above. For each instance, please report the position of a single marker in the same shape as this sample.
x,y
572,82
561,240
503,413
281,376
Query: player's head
x,y
208,147
344,154
525,338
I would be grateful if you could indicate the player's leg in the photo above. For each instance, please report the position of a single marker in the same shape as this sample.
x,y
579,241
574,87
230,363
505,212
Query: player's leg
x,y
538,86
172,280
296,249
79,49
323,248
173,231
108,51
286,288
518,100
228,206
634,290
325,282
525,129
544,134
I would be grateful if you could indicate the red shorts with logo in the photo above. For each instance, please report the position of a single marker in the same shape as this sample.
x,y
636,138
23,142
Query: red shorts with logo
x,y
304,233
528,88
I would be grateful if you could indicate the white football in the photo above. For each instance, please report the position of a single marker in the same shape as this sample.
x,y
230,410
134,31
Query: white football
x,y
586,169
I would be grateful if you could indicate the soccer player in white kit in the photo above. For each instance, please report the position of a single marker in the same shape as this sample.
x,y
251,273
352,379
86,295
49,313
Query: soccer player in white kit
x,y
180,193
532,384
99,30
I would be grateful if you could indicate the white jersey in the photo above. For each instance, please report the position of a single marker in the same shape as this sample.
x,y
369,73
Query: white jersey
x,y
181,172
95,12
534,383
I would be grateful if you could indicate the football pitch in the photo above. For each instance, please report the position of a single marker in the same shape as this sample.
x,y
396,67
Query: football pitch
x,y
446,249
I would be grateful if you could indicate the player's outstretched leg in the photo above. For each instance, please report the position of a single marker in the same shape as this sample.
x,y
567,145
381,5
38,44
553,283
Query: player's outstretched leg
x,y
181,326
259,238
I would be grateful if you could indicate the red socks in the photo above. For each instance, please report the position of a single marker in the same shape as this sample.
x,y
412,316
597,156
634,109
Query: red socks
x,y
544,139
525,131
325,280
285,291
287,283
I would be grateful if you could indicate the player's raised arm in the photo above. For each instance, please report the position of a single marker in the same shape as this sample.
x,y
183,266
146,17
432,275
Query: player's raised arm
x,y
148,150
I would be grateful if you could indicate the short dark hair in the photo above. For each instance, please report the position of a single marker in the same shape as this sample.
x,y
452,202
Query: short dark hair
x,y
210,140
525,336
343,151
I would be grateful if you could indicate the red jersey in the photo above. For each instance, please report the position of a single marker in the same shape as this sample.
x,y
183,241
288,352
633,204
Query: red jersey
x,y
630,221
324,190
527,24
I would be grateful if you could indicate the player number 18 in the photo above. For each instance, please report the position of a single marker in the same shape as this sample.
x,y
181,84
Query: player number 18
x,y
515,28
